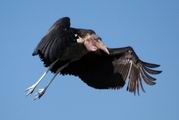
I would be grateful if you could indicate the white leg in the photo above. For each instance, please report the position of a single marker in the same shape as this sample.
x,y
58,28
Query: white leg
x,y
31,89
42,91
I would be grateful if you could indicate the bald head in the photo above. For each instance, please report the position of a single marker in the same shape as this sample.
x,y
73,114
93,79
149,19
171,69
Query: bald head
x,y
93,43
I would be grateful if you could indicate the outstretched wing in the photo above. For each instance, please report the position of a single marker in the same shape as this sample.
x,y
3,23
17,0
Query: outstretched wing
x,y
103,71
133,69
55,41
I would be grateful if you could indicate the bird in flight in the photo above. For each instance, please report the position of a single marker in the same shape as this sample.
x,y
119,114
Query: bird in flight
x,y
81,52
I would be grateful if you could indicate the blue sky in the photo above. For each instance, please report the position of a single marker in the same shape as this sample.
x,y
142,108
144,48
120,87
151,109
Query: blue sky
x,y
150,27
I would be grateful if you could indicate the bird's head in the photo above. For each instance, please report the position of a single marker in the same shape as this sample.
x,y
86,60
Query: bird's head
x,y
93,43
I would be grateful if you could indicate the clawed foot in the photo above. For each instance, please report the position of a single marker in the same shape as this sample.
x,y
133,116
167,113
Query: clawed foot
x,y
30,89
40,93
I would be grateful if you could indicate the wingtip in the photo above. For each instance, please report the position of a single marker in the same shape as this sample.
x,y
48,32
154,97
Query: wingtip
x,y
151,71
35,53
160,71
150,65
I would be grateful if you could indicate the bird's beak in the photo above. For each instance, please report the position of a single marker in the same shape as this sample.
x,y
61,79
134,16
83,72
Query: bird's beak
x,y
101,46
95,44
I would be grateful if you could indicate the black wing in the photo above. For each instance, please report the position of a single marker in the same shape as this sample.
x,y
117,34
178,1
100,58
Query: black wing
x,y
55,41
61,42
103,71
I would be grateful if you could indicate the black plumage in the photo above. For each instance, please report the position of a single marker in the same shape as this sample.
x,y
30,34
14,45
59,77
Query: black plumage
x,y
80,52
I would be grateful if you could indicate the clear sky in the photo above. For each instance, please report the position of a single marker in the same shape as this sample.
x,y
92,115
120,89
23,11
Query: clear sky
x,y
151,27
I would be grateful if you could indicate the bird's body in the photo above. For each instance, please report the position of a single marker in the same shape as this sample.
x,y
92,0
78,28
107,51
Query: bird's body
x,y
80,52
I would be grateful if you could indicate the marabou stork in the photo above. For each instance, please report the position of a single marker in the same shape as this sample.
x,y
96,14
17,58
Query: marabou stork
x,y
81,52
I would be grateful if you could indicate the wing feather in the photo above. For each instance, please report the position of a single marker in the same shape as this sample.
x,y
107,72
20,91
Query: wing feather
x,y
150,65
148,76
146,79
55,41
150,71
139,70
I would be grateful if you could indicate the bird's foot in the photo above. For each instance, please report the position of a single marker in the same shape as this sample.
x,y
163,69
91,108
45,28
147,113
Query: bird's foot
x,y
40,93
30,89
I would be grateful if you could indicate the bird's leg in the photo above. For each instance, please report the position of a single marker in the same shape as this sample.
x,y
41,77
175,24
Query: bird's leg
x,y
31,89
42,91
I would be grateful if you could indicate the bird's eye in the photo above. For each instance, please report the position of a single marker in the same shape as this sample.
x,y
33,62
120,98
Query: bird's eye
x,y
76,36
